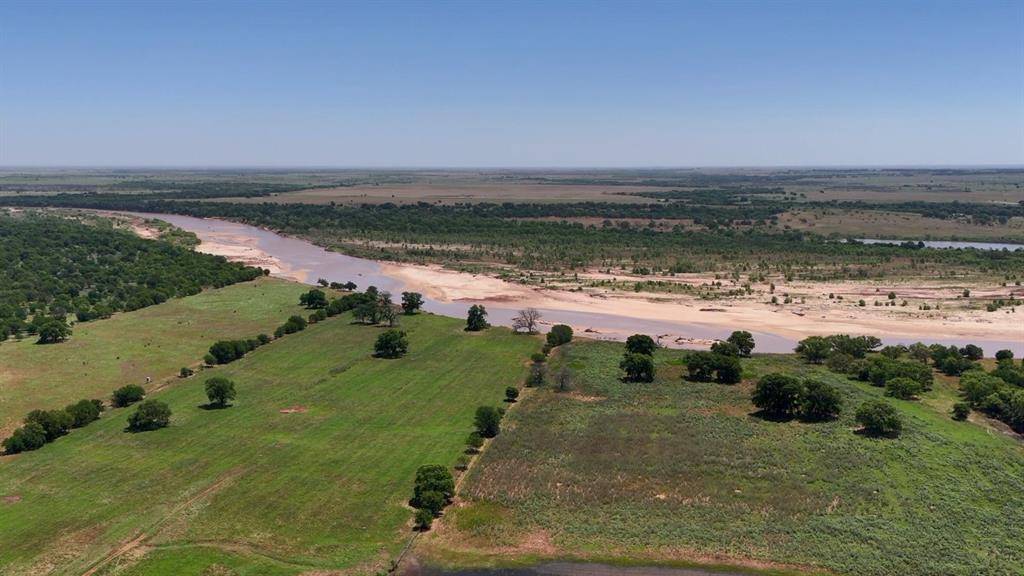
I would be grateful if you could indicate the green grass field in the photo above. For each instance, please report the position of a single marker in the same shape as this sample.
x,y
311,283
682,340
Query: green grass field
x,y
252,489
125,349
681,472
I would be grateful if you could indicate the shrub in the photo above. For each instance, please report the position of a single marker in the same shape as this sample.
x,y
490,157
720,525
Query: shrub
x,y
391,344
743,340
83,412
537,375
559,334
433,478
1004,355
487,421
961,410
538,357
638,367
511,394
292,325
474,442
727,369
814,349
840,363
879,418
700,366
209,360
640,344
220,390
423,519
185,372
150,415
903,388
725,348
977,386
462,462
820,401
972,352
29,437
55,423
777,395
127,395
313,299
263,339
476,319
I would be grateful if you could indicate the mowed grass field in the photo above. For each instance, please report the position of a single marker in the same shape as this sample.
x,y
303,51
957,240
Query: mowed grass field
x,y
681,472
126,348
251,488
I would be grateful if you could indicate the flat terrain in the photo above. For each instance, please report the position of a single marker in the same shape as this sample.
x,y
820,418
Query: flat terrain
x,y
155,341
682,472
309,469
880,224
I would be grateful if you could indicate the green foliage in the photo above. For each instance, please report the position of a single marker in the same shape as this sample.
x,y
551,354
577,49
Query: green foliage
x,y
149,415
725,348
185,372
972,352
743,340
879,418
433,489
391,344
128,394
476,319
511,394
960,411
820,401
31,436
777,395
84,411
640,344
487,421
559,334
294,324
707,366
1004,355
903,388
53,330
814,349
423,519
638,367
55,423
537,375
840,363
219,391
411,302
313,299
225,351
474,441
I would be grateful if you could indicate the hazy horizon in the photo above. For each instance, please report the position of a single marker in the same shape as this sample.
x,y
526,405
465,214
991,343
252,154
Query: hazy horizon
x,y
467,85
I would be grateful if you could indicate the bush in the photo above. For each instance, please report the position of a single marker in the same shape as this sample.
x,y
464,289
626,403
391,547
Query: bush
x,y
209,360
263,339
83,412
391,344
538,357
879,418
640,344
840,363
474,442
777,395
487,421
903,388
820,401
725,348
185,372
537,376
462,462
814,349
511,394
150,415
727,369
977,386
433,479
972,352
432,502
225,351
29,437
707,366
559,334
961,410
638,367
220,390
476,319
423,519
127,395
292,325
743,340
313,299
1004,355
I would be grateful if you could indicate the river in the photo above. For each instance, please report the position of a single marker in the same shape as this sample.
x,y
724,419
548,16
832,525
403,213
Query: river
x,y
949,244
298,259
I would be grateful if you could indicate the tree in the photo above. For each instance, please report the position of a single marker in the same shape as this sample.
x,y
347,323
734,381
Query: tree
x,y
511,394
814,349
961,410
431,501
972,352
150,415
727,369
559,334
638,367
903,388
537,376
313,299
423,519
474,442
55,423
1004,355
220,390
700,366
977,386
476,320
53,331
83,412
487,421
128,394
433,478
526,320
640,344
778,395
185,372
563,379
725,348
31,436
411,302
743,340
820,401
879,418
840,362
391,344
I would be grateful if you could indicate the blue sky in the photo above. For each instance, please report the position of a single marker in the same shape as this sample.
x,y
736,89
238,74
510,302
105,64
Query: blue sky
x,y
511,84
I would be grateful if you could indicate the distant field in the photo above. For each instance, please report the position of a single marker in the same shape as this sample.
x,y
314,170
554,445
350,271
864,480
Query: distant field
x,y
879,224
252,489
681,472
155,341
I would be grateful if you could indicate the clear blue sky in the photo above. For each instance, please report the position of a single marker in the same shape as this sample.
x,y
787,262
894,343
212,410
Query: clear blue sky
x,y
511,84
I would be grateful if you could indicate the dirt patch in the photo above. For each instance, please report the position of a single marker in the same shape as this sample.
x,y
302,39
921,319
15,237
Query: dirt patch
x,y
10,499
294,410
580,397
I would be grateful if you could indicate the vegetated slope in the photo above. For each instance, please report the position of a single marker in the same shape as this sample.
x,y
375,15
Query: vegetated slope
x,y
322,486
681,471
126,348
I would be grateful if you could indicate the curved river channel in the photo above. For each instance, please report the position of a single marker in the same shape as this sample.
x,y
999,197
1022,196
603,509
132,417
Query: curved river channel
x,y
298,259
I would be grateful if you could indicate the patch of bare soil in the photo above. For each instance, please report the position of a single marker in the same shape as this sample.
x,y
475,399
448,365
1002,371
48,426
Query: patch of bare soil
x,y
293,410
10,499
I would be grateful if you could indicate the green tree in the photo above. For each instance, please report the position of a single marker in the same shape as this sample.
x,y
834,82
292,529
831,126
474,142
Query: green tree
x,y
476,320
83,412
640,344
638,367
313,299
53,331
972,352
55,423
511,394
879,418
474,442
487,421
411,302
1004,355
903,388
433,478
814,349
423,519
149,415
727,369
391,344
961,410
700,366
220,391
559,334
743,340
31,436
778,395
820,401
725,348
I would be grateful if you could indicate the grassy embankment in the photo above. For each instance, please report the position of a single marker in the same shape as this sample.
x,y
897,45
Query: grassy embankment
x,y
252,488
681,472
155,341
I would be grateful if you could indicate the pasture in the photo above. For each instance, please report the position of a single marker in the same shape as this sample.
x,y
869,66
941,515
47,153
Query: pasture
x,y
679,472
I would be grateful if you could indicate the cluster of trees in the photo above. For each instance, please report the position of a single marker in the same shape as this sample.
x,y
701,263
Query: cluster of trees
x,y
780,396
292,325
56,267
558,335
149,415
225,351
43,426
722,363
638,359
817,349
999,393
433,489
